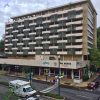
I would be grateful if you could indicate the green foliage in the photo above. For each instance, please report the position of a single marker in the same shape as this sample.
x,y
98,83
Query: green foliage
x,y
93,68
98,38
10,96
1,45
95,57
56,96
86,77
98,42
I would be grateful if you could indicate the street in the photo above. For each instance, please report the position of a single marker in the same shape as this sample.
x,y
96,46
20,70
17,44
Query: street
x,y
71,94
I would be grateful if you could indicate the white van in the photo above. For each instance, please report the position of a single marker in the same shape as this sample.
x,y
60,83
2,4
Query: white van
x,y
21,88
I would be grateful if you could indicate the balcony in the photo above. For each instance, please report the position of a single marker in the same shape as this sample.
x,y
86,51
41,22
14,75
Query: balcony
x,y
14,48
26,29
60,19
61,30
46,21
20,26
32,43
25,47
19,52
6,48
46,53
74,22
53,36
43,32
62,41
19,43
32,24
62,53
38,38
10,44
7,36
31,53
7,28
20,35
8,52
79,16
26,38
46,42
33,33
15,31
74,46
78,52
40,27
79,28
55,25
53,47
38,47
14,39
78,40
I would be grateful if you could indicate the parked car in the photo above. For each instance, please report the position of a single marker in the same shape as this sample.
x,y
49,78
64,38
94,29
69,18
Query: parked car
x,y
93,85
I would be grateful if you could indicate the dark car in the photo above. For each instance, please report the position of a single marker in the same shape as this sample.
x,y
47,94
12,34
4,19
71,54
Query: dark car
x,y
93,85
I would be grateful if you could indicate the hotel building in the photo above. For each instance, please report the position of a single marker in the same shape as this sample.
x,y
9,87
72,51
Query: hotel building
x,y
60,36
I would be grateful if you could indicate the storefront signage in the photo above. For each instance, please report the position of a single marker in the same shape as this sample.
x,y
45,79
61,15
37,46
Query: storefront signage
x,y
46,63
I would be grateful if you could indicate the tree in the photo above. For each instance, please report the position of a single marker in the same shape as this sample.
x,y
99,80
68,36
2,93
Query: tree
x,y
2,44
98,38
95,57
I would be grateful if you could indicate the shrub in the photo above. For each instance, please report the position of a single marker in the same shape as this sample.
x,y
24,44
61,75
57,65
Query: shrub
x,y
86,78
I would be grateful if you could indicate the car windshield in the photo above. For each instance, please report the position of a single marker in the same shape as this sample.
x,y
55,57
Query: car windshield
x,y
29,89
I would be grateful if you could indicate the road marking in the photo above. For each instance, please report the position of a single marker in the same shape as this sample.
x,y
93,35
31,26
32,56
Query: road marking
x,y
84,96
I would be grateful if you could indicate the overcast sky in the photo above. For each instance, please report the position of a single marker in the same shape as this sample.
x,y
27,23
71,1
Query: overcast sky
x,y
9,8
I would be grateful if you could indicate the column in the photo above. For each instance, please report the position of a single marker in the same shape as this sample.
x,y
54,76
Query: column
x,y
72,74
39,71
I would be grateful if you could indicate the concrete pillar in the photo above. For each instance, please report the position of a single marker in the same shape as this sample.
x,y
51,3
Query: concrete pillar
x,y
39,71
72,74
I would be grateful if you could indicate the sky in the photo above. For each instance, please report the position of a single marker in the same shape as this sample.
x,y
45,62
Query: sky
x,y
10,8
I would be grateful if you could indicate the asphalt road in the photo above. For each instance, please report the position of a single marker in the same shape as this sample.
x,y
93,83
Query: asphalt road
x,y
3,91
71,94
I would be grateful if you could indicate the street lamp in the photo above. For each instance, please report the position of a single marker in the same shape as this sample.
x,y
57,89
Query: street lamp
x,y
59,75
